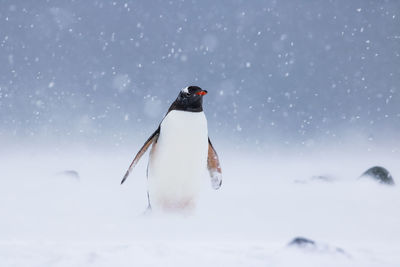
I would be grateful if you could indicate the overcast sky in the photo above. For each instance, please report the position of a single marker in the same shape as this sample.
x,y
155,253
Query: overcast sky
x,y
276,71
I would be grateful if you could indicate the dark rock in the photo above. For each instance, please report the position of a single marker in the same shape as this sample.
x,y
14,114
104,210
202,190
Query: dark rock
x,y
312,246
380,174
302,242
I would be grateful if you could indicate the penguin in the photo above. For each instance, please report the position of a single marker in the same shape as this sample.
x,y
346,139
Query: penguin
x,y
180,152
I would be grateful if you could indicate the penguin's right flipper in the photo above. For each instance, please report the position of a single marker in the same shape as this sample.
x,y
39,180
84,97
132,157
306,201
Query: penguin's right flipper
x,y
152,139
213,166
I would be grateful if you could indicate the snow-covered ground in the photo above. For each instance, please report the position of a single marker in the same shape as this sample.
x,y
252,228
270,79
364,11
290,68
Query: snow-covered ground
x,y
50,218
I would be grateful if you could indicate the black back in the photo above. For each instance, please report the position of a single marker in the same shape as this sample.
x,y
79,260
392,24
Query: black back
x,y
189,99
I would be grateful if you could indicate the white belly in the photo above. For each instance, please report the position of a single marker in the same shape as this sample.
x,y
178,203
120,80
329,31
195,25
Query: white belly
x,y
178,162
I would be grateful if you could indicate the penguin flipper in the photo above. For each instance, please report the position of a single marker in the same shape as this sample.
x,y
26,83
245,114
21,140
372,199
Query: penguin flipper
x,y
152,139
213,166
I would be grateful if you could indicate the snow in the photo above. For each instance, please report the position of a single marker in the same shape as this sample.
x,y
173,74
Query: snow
x,y
283,78
49,218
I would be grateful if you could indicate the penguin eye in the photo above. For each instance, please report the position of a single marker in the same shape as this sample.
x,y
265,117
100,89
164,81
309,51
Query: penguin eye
x,y
184,94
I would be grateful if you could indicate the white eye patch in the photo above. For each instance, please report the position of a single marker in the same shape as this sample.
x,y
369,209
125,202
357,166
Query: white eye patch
x,y
185,90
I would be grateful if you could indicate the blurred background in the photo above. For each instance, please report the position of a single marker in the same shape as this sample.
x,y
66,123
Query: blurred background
x,y
279,73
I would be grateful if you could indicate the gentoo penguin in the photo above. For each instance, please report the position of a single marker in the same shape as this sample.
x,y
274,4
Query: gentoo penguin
x,y
180,152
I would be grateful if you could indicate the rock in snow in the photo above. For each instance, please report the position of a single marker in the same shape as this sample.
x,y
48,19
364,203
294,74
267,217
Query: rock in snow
x,y
380,174
312,246
72,174
302,242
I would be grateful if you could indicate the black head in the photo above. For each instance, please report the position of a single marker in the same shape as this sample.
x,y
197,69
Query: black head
x,y
189,99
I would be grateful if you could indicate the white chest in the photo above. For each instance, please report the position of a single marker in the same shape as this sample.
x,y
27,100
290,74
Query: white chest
x,y
184,130
179,160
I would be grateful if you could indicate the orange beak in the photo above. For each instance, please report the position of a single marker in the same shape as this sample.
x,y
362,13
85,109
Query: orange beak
x,y
203,92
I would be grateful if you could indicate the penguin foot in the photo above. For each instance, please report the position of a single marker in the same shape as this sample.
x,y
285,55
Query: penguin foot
x,y
148,211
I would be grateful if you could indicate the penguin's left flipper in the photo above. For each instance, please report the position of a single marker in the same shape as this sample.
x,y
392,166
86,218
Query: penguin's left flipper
x,y
152,139
213,166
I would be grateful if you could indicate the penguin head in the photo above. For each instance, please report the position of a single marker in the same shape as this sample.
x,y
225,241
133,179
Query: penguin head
x,y
189,99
